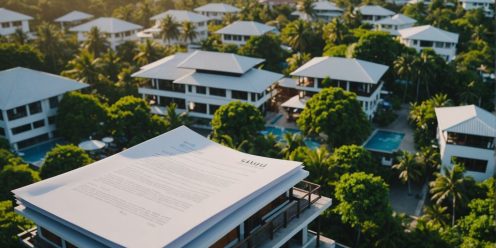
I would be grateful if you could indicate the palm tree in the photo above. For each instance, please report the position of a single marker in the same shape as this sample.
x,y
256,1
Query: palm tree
x,y
297,35
148,52
19,37
408,167
111,65
50,41
169,29
450,184
424,65
84,67
228,141
188,32
317,164
429,158
174,119
404,69
297,60
228,19
95,42
472,93
335,31
291,142
436,215
307,8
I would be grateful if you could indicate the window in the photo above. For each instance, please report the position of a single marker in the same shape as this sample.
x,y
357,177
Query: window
x,y
201,90
190,88
212,108
21,129
198,108
5,24
2,131
16,113
51,237
166,101
54,102
246,37
424,43
447,45
217,92
201,24
17,23
439,44
34,108
471,164
227,37
51,120
168,85
242,95
1,115
69,245
253,97
38,124
415,42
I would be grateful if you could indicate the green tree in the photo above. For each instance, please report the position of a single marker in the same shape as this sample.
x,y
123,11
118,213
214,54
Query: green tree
x,y
96,42
296,60
436,215
84,67
367,45
169,29
62,159
173,119
13,55
307,8
79,116
409,168
11,224
51,42
450,184
239,120
297,35
337,114
188,32
350,159
290,143
19,37
363,202
336,33
111,64
403,68
148,52
8,158
267,47
15,176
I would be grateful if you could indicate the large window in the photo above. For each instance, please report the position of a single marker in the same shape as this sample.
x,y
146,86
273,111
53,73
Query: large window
x,y
38,124
5,24
201,90
217,92
253,97
170,86
51,237
34,108
54,102
2,131
424,43
242,95
212,108
470,140
16,113
166,101
198,108
471,164
17,23
21,129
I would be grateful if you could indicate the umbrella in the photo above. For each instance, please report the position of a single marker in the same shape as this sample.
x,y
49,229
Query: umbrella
x,y
108,139
91,145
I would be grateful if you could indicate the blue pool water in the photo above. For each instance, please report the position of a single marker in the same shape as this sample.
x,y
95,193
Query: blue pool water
x,y
279,133
35,154
384,141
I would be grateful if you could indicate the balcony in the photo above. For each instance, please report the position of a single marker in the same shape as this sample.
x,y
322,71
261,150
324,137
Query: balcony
x,y
277,227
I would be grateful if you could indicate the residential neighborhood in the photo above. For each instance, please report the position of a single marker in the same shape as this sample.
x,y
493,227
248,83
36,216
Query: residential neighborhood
x,y
259,123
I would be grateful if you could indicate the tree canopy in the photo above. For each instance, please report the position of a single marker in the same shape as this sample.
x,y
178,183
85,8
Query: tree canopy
x,y
63,158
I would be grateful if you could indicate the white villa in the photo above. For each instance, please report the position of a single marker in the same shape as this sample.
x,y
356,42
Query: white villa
x,y
239,32
373,13
421,37
467,134
73,18
394,23
324,10
10,21
486,5
179,16
28,105
216,11
358,76
200,82
116,30
178,189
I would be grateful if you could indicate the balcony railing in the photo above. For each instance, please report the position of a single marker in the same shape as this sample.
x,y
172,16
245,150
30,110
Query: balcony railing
x,y
304,194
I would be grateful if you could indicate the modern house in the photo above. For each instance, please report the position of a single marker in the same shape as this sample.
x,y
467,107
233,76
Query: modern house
x,y
179,16
73,18
324,10
239,32
466,135
117,31
200,82
486,5
178,189
10,21
216,11
354,75
28,105
394,23
421,37
373,13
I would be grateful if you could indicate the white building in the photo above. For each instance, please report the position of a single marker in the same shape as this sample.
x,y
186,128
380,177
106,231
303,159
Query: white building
x,y
394,23
73,18
200,82
239,32
10,21
421,37
354,75
486,5
28,104
216,11
117,31
467,134
324,10
373,13
179,16
178,189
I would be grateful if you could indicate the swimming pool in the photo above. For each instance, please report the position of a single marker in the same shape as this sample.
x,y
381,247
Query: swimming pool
x,y
279,133
35,154
384,141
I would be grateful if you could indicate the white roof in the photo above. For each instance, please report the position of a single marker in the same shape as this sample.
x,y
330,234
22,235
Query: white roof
x,y
9,16
428,33
222,62
109,25
255,80
246,28
181,16
478,1
397,19
468,119
164,192
217,7
375,10
165,68
74,16
345,69
296,102
20,86
326,5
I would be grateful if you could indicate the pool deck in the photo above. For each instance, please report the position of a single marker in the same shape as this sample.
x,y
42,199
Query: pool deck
x,y
275,119
401,125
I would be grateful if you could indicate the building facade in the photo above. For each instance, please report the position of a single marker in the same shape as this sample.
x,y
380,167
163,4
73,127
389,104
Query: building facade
x,y
467,135
373,13
10,21
421,37
28,105
324,11
486,5
217,11
394,23
239,32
